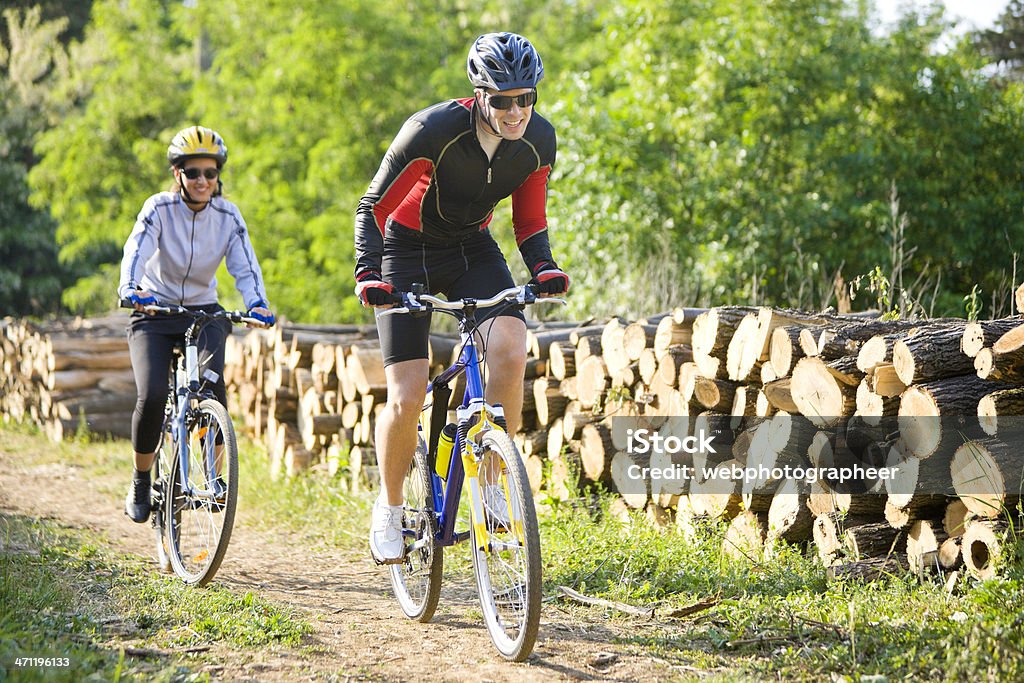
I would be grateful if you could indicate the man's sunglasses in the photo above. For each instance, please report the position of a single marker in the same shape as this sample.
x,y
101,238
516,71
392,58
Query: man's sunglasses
x,y
208,173
527,99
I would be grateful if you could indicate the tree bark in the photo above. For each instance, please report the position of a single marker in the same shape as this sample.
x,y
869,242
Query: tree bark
x,y
874,569
789,519
873,539
922,405
981,334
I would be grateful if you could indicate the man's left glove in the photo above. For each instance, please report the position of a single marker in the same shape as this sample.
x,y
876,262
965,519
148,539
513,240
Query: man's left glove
x,y
549,279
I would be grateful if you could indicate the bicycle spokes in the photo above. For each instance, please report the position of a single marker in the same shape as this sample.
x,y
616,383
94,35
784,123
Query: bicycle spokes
x,y
201,506
507,559
417,580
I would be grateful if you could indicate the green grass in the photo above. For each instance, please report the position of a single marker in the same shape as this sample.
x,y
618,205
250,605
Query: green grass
x,y
779,619
782,618
64,595
318,508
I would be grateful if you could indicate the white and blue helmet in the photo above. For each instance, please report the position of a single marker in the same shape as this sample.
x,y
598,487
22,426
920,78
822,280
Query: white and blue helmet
x,y
504,61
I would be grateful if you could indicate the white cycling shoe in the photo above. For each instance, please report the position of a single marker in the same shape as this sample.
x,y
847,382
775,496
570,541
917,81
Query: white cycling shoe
x,y
386,543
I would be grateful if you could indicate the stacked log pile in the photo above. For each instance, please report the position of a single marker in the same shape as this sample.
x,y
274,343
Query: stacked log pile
x,y
67,376
782,388
310,394
933,402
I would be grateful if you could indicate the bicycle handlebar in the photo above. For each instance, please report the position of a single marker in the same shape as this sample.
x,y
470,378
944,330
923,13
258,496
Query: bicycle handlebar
x,y
522,294
172,309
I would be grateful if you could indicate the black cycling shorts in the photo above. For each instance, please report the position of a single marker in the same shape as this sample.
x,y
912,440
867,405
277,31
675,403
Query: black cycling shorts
x,y
473,267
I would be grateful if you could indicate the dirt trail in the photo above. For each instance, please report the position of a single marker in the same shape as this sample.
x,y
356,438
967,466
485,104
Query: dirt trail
x,y
360,634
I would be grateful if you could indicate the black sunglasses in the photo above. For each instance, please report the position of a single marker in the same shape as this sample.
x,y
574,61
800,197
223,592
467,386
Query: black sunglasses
x,y
527,99
208,173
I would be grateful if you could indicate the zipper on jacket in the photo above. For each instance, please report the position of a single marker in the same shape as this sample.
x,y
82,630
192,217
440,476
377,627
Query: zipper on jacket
x,y
191,258
488,174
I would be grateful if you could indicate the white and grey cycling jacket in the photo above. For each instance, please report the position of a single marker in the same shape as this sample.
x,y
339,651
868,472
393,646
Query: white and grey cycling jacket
x,y
174,252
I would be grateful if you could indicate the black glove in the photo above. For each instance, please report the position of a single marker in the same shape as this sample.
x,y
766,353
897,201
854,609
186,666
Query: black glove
x,y
373,291
549,279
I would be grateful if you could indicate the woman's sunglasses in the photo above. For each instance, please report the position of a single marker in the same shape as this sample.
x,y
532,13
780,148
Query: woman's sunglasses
x,y
208,173
527,99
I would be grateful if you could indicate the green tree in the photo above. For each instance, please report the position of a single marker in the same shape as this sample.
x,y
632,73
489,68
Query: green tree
x,y
709,152
310,96
751,146
73,14
127,87
31,57
1004,44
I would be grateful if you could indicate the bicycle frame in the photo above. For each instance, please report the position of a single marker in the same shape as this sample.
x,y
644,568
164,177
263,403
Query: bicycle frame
x,y
448,494
184,384
188,391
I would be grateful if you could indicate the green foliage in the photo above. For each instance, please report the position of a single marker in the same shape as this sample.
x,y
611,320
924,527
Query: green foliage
x,y
1004,44
747,134
780,618
121,102
29,60
972,303
710,153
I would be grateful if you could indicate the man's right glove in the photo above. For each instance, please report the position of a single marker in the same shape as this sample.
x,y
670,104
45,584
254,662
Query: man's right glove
x,y
549,279
373,291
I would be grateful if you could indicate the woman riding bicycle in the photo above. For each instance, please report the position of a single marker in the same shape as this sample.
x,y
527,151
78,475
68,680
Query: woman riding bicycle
x,y
424,219
171,257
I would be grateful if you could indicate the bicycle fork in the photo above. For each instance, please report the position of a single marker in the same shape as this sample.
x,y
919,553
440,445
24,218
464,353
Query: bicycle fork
x,y
489,417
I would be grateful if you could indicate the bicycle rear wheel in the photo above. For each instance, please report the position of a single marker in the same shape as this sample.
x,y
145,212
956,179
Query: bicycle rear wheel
x,y
508,577
417,580
201,508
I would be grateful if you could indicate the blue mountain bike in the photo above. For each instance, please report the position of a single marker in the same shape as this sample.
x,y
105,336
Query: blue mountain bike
x,y
195,472
504,537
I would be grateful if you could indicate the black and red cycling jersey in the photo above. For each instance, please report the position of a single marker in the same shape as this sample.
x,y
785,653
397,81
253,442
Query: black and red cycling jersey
x,y
436,179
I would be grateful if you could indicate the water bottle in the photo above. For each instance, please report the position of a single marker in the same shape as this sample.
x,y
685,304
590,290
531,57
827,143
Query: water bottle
x,y
445,446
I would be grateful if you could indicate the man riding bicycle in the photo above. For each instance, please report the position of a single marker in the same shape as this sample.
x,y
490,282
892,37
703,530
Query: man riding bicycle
x,y
171,257
425,219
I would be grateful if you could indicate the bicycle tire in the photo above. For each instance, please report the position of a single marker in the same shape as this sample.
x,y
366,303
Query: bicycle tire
x,y
161,468
199,527
417,580
509,576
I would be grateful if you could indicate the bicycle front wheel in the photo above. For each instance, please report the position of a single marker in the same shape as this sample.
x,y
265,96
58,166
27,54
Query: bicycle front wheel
x,y
508,572
202,495
417,580
161,471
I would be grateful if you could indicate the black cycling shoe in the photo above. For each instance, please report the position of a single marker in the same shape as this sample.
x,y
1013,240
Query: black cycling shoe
x,y
137,503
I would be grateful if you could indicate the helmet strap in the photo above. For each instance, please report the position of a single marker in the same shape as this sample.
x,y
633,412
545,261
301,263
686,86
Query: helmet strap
x,y
484,119
188,198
